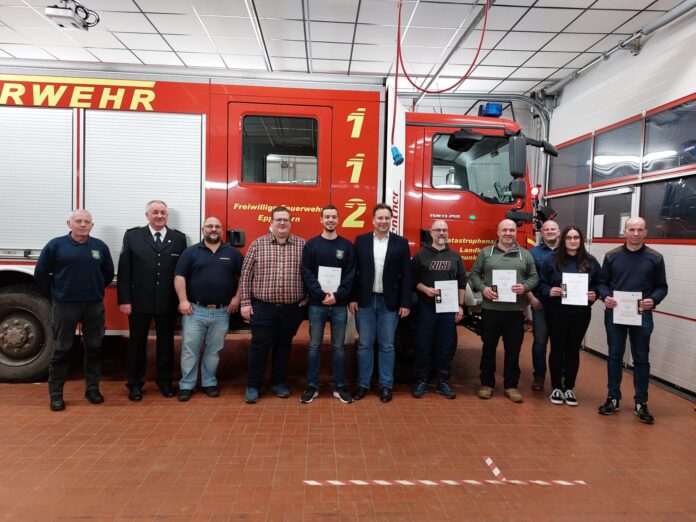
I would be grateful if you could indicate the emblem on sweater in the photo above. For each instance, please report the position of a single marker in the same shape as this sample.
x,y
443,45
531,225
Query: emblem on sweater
x,y
96,254
340,254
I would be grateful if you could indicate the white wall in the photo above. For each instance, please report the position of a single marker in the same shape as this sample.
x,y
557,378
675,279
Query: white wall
x,y
622,87
626,85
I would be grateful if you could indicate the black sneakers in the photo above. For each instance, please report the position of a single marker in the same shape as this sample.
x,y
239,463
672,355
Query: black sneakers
x,y
420,390
443,389
343,395
610,407
309,395
641,411
557,396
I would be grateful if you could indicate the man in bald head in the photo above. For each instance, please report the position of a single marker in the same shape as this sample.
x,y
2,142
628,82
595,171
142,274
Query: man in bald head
x,y
503,316
631,267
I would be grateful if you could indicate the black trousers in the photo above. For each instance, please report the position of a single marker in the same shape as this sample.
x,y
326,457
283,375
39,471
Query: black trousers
x,y
566,331
509,325
137,348
272,328
64,321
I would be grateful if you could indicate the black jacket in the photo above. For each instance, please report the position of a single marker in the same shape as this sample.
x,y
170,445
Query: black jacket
x,y
396,281
145,277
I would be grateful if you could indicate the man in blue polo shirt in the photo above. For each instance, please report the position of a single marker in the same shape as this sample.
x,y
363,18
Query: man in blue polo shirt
x,y
206,282
74,270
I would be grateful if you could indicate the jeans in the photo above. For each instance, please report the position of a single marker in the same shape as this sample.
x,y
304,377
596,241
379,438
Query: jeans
x,y
337,317
64,322
509,324
435,333
567,332
541,337
210,327
272,328
640,350
375,321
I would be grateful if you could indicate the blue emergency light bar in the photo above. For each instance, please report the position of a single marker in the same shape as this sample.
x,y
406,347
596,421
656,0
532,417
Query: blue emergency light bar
x,y
491,110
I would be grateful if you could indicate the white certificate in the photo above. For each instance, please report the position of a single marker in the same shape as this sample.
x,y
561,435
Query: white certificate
x,y
329,278
575,288
448,300
626,311
502,283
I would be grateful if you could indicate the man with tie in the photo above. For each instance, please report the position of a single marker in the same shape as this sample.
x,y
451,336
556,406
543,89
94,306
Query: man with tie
x,y
381,295
146,293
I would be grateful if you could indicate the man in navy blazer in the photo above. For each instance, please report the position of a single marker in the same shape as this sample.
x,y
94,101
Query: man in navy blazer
x,y
146,292
381,294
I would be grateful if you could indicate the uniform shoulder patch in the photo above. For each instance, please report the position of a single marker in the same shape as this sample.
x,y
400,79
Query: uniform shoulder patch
x,y
613,251
653,252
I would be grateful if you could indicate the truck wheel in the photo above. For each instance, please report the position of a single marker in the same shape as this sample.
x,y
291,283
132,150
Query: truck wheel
x,y
26,339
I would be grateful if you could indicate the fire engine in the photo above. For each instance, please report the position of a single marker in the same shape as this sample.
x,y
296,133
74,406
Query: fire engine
x,y
233,149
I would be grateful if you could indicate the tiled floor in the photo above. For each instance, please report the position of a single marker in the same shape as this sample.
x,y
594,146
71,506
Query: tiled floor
x,y
220,459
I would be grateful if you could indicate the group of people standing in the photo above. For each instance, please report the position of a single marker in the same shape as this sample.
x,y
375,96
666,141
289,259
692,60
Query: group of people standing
x,y
373,277
631,267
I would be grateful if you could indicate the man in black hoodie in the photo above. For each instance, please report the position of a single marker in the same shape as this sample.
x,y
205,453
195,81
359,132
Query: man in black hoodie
x,y
437,332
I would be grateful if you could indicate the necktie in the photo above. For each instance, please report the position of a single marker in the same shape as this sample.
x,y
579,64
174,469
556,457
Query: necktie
x,y
158,240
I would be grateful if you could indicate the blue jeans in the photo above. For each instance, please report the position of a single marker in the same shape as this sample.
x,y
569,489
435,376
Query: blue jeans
x,y
541,338
375,321
210,327
437,338
640,350
337,317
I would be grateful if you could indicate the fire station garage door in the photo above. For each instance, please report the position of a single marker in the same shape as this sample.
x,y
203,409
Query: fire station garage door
x,y
131,158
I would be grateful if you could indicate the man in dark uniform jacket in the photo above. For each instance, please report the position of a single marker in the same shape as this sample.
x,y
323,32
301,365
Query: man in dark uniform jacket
x,y
146,292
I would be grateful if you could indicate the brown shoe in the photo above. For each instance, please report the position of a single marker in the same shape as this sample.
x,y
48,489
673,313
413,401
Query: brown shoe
x,y
514,395
538,384
485,392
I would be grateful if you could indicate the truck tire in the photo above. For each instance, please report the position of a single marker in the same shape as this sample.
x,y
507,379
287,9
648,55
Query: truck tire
x,y
26,339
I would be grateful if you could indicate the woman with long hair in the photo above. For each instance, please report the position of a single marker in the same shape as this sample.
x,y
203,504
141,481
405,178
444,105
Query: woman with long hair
x,y
567,323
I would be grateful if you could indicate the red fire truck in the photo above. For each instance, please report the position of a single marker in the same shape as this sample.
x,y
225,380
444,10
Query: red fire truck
x,y
233,149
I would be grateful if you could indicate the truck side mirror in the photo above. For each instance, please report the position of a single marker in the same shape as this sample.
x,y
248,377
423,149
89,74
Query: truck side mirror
x,y
518,188
517,152
425,237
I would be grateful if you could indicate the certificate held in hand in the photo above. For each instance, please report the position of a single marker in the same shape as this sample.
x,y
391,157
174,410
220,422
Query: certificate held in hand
x,y
448,301
503,281
329,278
627,310
575,288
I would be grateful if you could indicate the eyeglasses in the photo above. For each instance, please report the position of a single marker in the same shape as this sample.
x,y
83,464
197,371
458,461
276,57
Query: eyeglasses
x,y
573,238
281,220
439,230
212,226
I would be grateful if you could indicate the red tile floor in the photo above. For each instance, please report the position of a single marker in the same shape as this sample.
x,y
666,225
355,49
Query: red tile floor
x,y
220,459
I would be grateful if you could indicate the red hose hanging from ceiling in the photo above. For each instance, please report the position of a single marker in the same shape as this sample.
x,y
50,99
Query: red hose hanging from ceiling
x,y
400,62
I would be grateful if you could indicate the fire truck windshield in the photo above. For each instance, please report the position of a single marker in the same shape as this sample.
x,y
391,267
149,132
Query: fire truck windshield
x,y
483,168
